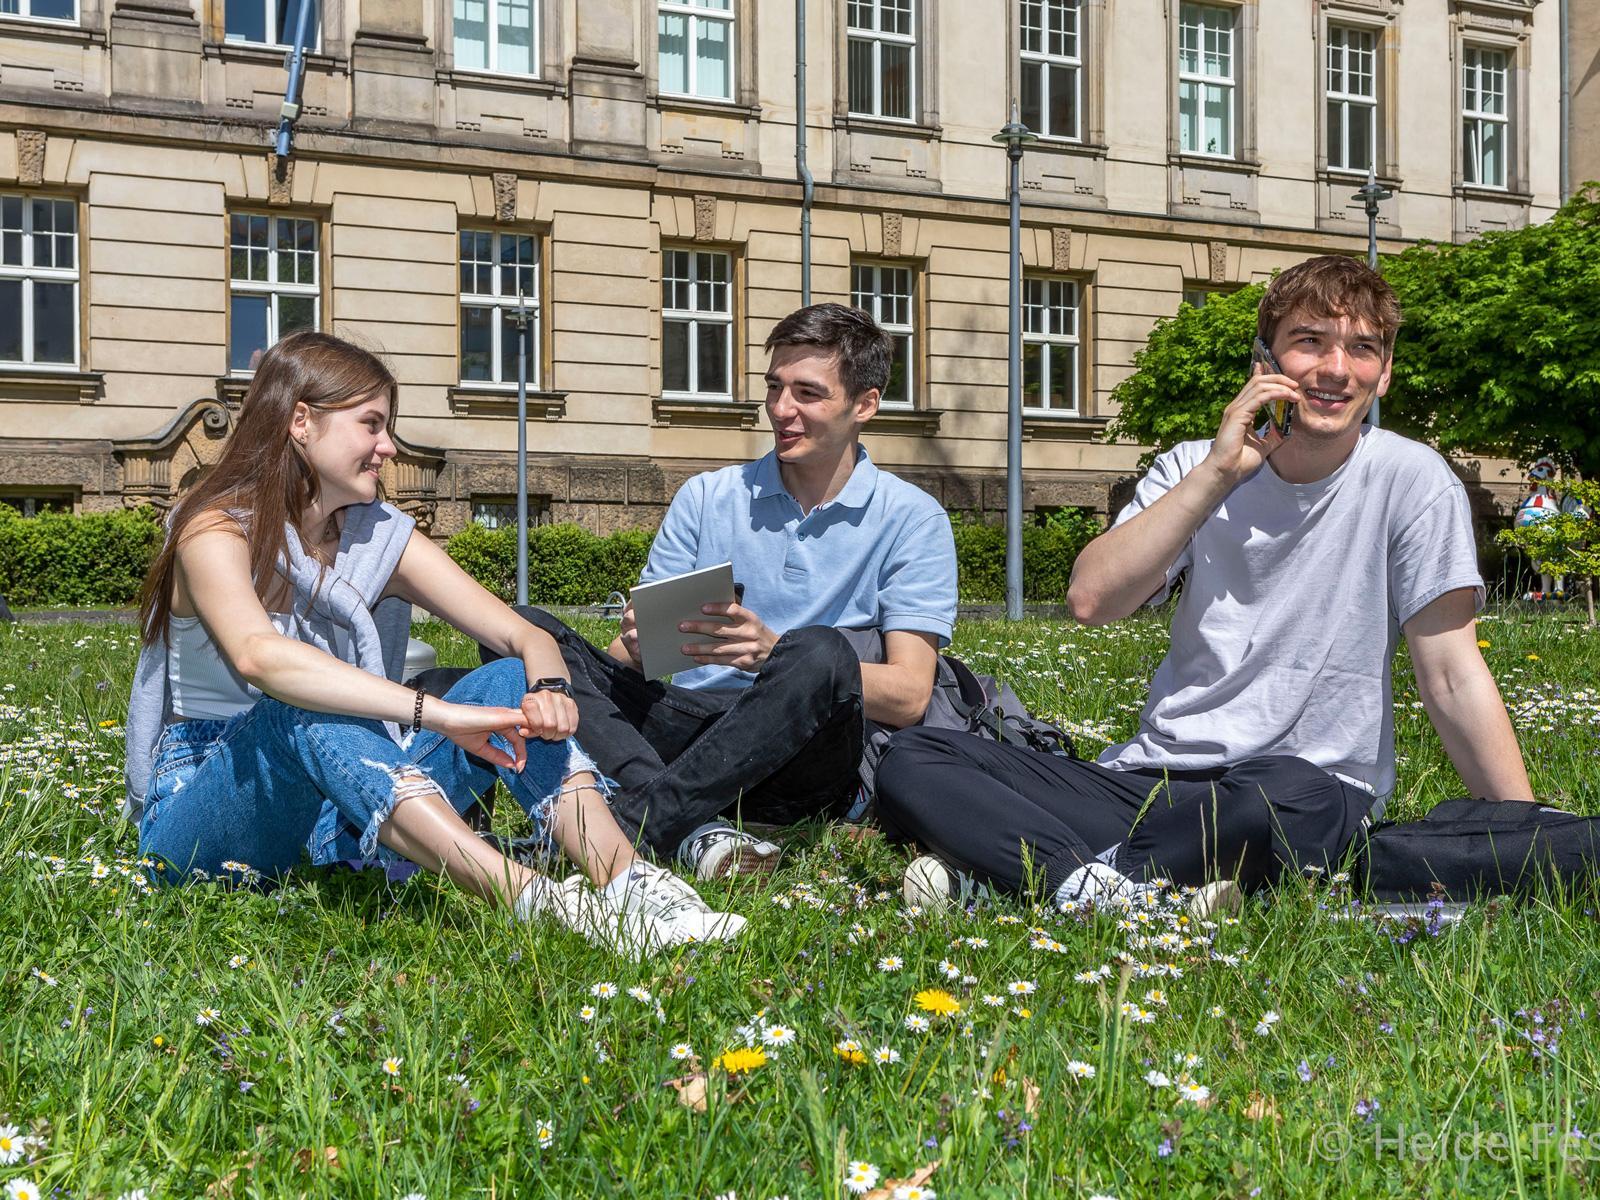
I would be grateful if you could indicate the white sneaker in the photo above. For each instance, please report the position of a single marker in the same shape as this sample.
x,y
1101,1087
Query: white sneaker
x,y
717,850
1102,886
651,891
574,905
1222,897
933,883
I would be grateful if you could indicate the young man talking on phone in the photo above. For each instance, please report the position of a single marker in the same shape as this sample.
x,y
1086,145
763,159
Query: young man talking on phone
x,y
1268,735
770,726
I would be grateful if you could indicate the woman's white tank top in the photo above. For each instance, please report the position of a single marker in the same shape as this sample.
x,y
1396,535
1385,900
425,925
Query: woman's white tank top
x,y
202,684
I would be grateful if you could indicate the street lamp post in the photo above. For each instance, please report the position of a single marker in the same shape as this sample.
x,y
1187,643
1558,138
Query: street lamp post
x,y
1014,136
520,316
1371,194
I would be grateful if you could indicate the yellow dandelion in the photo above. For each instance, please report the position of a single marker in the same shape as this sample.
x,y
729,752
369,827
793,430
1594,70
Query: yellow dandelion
x,y
735,1062
1533,658
1483,643
937,1000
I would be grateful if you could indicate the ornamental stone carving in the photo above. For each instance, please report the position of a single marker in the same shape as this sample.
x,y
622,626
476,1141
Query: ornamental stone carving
x,y
30,156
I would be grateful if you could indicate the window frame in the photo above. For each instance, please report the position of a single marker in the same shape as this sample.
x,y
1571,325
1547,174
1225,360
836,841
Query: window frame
x,y
1039,340
29,274
1347,100
492,48
1231,84
500,301
1472,147
57,22
693,317
271,8
1044,60
877,37
906,329
271,287
693,14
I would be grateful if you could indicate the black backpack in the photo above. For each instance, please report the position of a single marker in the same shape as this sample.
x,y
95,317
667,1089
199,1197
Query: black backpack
x,y
1472,848
962,699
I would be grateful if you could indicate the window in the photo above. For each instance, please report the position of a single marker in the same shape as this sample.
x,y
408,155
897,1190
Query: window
x,y
496,35
881,45
694,39
1485,134
266,22
885,293
1051,60
38,281
275,283
697,324
1050,345
495,269
41,10
31,504
1206,80
1199,295
1352,99
492,512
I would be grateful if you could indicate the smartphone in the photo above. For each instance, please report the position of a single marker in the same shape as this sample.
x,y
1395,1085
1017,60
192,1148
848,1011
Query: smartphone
x,y
1282,410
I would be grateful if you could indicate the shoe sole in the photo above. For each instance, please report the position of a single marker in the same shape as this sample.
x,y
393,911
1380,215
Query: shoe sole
x,y
745,860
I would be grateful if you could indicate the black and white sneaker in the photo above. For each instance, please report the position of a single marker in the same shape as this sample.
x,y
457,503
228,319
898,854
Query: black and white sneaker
x,y
718,850
930,882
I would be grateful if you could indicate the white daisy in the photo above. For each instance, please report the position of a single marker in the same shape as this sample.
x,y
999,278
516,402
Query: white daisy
x,y
778,1035
1265,1024
948,969
860,1177
546,1133
890,962
1022,987
22,1189
237,961
642,995
917,1024
1157,1079
205,1016
682,1051
604,991
10,1145
1194,1093
1216,1010
391,1065
914,1192
885,1055
586,1013
1079,1069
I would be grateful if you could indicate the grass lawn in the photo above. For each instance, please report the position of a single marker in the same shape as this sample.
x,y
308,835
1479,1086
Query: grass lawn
x,y
341,1037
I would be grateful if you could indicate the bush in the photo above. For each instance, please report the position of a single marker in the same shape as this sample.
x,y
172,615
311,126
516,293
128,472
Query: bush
x,y
59,558
1048,552
566,563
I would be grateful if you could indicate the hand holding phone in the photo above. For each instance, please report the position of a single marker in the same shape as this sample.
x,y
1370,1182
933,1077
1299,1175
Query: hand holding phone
x,y
1282,411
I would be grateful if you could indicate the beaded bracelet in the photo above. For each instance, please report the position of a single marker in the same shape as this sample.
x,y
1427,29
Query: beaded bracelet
x,y
416,713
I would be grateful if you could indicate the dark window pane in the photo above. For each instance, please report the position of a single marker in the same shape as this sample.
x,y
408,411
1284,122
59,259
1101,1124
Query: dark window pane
x,y
1033,375
11,249
54,10
508,349
10,320
1032,113
288,21
896,81
245,20
1063,368
1360,138
1335,133
53,319
712,349
860,75
898,390
296,313
477,344
675,356
1063,102
247,331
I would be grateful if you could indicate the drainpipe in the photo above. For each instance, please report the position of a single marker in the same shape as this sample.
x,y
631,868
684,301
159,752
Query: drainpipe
x,y
807,185
295,63
1566,103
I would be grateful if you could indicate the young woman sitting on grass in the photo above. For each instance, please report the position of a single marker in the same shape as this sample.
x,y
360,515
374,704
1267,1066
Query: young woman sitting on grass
x,y
265,719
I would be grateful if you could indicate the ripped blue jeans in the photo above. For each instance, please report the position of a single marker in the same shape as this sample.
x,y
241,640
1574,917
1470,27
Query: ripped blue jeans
x,y
248,795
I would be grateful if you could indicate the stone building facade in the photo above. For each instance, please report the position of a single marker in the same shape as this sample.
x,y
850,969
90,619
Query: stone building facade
x,y
629,165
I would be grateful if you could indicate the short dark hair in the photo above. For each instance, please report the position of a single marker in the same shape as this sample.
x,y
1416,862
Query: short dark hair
x,y
864,350
1331,286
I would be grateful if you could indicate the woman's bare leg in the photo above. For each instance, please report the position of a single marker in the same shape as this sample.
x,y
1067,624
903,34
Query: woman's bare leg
x,y
587,832
427,830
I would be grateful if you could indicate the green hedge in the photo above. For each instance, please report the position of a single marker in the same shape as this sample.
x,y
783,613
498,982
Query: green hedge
x,y
566,563
1048,552
62,559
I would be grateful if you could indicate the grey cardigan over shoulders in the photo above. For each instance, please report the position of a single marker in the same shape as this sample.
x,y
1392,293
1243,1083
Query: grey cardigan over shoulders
x,y
345,597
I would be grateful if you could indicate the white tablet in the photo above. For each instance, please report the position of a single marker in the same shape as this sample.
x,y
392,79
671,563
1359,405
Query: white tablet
x,y
659,607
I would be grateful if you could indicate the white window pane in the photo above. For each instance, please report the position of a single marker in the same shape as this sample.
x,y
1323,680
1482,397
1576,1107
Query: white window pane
x,y
1494,158
1189,117
472,35
1218,123
672,40
711,59
515,33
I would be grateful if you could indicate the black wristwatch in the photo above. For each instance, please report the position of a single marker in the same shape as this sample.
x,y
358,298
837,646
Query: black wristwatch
x,y
552,683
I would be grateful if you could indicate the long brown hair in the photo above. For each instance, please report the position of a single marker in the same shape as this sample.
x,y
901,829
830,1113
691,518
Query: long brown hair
x,y
263,473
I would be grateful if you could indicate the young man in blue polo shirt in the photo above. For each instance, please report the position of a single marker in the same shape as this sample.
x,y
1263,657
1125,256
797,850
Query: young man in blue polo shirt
x,y
770,727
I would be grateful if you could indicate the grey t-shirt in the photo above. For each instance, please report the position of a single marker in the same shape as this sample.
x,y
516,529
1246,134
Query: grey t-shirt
x,y
1288,620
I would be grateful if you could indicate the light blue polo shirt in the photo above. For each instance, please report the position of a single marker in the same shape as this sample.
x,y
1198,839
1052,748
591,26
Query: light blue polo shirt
x,y
879,555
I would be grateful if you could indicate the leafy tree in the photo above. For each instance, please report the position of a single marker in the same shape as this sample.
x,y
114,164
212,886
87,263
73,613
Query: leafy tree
x,y
1565,543
1191,367
1499,352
